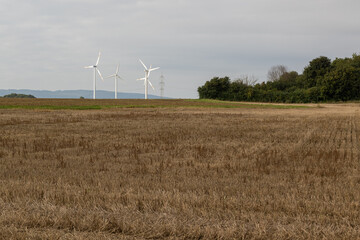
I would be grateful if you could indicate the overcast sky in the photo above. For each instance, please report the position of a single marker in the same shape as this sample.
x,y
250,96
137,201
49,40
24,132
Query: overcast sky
x,y
46,43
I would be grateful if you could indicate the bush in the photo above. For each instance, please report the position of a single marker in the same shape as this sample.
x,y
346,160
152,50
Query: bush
x,y
15,95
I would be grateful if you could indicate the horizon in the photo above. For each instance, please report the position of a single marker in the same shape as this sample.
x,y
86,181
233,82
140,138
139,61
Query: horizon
x,y
101,94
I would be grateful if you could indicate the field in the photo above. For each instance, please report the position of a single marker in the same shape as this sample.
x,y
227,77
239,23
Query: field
x,y
178,169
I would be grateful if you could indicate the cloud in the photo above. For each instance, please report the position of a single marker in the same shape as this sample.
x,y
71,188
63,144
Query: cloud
x,y
49,42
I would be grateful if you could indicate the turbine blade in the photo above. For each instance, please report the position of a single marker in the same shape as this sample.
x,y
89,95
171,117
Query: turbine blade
x,y
110,76
139,79
148,72
151,85
153,69
117,70
100,74
143,64
89,67
97,62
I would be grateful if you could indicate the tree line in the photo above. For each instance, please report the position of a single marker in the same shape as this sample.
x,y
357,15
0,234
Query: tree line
x,y
17,95
322,80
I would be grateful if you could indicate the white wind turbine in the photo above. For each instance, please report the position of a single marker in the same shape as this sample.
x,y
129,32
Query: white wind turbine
x,y
95,67
116,76
146,78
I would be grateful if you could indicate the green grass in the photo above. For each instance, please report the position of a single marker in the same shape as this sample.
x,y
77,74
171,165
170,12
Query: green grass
x,y
51,107
230,104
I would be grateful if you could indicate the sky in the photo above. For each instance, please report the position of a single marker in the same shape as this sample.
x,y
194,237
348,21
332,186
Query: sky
x,y
45,44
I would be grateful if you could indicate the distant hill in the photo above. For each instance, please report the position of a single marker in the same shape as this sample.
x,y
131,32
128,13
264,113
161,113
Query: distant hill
x,y
100,94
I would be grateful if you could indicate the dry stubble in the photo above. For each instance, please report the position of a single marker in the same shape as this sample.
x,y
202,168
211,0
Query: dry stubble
x,y
172,173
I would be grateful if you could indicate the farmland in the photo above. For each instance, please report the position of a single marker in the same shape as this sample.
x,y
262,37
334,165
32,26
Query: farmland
x,y
178,169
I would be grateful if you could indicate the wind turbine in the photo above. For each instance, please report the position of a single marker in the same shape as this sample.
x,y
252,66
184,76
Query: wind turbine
x,y
95,67
146,78
116,76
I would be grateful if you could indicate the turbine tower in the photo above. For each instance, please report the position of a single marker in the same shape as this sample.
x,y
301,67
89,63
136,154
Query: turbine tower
x,y
95,67
116,76
146,78
162,84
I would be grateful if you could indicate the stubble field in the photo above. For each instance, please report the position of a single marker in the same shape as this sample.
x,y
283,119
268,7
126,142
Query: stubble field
x,y
178,170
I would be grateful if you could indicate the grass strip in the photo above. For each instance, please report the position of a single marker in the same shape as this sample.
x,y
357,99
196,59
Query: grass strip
x,y
49,107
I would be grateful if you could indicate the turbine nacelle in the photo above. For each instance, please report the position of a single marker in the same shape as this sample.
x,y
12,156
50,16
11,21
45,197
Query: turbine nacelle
x,y
148,70
146,78
96,70
116,76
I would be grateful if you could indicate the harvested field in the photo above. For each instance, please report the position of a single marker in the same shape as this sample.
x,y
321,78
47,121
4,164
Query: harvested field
x,y
178,172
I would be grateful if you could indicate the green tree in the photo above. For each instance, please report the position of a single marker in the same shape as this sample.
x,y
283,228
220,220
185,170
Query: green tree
x,y
314,94
216,88
322,80
316,69
286,81
238,91
342,84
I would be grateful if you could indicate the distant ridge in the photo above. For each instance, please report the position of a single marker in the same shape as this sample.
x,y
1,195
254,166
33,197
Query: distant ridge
x,y
100,94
